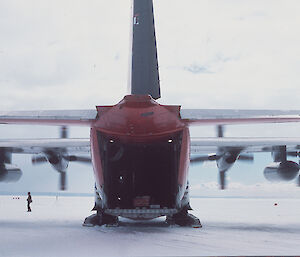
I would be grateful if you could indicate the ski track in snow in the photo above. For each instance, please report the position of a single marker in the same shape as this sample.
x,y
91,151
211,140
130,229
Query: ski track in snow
x,y
230,227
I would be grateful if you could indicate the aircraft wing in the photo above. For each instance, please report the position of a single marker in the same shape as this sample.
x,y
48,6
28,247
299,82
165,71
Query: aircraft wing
x,y
54,117
226,151
37,146
58,152
232,116
246,144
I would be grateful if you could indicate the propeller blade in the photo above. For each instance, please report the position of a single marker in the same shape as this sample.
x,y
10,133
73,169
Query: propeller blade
x,y
220,131
293,154
204,158
38,159
198,159
62,180
64,132
246,157
222,180
74,158
299,181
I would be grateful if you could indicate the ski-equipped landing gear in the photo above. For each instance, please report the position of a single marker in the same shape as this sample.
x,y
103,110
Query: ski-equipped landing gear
x,y
101,219
184,219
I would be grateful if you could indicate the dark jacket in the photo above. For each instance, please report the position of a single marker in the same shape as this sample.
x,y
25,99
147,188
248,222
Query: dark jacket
x,y
29,199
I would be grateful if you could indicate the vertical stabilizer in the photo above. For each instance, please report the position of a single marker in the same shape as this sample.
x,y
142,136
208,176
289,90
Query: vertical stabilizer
x,y
144,79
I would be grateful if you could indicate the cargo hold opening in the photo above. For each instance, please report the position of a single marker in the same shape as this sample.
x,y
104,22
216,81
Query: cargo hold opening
x,y
140,174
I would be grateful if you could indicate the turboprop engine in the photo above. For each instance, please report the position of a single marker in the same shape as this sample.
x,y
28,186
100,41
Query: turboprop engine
x,y
9,173
225,158
281,171
224,163
59,159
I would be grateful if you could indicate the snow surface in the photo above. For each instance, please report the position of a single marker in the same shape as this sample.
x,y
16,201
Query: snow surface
x,y
230,227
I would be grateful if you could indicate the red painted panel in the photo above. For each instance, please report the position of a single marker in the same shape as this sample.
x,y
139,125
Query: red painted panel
x,y
139,119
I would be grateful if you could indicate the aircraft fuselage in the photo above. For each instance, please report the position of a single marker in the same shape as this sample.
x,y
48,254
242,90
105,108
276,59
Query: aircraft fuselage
x,y
140,152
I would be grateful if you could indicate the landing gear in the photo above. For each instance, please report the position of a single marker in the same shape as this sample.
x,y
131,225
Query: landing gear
x,y
184,219
101,219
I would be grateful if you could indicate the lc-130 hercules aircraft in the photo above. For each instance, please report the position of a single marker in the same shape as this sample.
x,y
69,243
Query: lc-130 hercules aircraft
x,y
140,150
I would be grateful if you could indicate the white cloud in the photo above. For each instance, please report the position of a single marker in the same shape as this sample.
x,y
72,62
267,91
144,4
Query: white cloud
x,y
242,47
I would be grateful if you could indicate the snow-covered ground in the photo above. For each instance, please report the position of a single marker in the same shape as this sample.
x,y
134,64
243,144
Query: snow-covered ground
x,y
230,227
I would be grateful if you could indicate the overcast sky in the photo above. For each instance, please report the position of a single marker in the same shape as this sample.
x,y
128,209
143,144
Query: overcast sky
x,y
68,54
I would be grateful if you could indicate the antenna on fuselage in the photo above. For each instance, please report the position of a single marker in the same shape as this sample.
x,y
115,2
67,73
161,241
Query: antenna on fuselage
x,y
144,75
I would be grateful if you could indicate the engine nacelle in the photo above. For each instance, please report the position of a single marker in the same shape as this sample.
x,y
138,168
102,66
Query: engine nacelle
x,y
9,173
57,160
227,160
281,171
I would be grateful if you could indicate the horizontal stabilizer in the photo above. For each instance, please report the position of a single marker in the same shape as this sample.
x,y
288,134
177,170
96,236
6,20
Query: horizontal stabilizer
x,y
53,117
232,116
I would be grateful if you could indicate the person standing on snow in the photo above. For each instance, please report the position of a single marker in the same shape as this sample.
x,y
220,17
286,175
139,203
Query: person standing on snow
x,y
29,201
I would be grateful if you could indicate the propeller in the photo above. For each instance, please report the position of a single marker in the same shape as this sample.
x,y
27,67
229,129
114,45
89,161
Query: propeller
x,y
64,132
38,159
246,157
200,159
225,158
293,154
75,158
220,131
59,159
222,179
214,157
62,180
